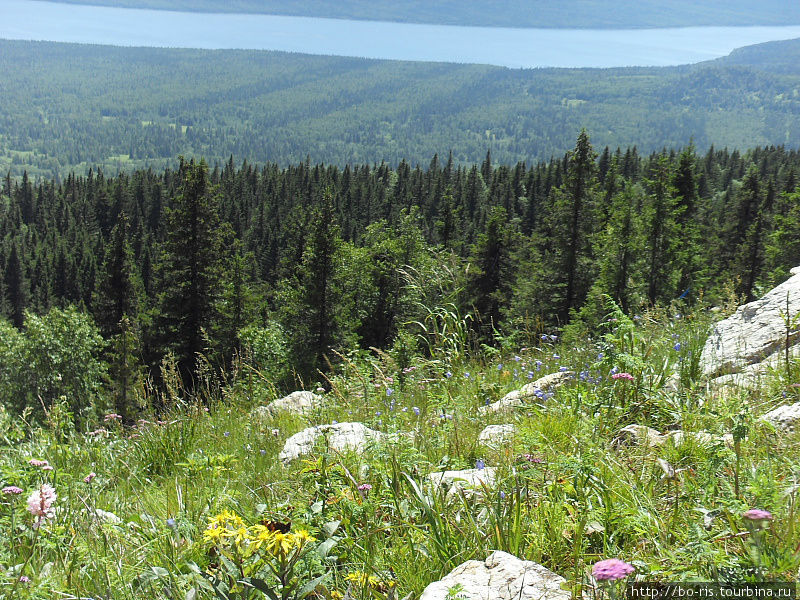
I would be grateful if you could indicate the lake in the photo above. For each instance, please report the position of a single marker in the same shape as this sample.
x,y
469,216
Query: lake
x,y
525,48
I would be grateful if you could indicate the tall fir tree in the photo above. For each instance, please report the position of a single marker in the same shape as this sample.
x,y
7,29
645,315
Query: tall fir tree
x,y
190,270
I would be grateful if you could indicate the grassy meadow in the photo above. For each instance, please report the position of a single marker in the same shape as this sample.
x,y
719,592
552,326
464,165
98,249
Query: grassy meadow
x,y
203,508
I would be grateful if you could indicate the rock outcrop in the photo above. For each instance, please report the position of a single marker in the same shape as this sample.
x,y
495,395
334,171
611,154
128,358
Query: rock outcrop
x,y
785,418
641,435
297,403
339,437
497,435
755,333
540,389
500,577
466,480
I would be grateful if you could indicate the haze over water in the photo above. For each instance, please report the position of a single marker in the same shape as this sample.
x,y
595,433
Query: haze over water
x,y
527,48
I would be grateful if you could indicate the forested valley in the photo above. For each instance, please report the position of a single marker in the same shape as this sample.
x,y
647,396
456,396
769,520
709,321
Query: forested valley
x,y
68,107
295,267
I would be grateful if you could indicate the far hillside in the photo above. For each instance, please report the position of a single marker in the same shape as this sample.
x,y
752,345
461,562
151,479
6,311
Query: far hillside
x,y
503,13
67,107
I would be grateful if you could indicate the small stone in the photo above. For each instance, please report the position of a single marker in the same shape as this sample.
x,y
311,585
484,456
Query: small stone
x,y
497,435
341,437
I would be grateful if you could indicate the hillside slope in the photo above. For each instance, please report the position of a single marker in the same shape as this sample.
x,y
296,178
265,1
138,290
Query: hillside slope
x,y
67,106
504,13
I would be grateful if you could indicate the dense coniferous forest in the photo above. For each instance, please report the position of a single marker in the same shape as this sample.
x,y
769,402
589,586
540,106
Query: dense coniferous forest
x,y
67,107
503,13
301,263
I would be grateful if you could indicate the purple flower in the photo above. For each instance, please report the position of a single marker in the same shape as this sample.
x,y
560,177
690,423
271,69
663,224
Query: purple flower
x,y
556,356
389,391
480,465
677,347
171,523
562,369
611,569
227,434
12,490
757,514
364,488
448,374
24,579
416,410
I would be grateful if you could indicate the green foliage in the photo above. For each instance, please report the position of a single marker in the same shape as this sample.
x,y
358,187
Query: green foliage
x,y
55,355
257,105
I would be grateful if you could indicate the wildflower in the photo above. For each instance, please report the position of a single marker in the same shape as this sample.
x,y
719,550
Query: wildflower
x,y
757,514
562,369
389,391
556,357
40,503
24,579
37,463
611,569
227,434
626,376
47,468
416,410
530,374
500,367
262,452
448,374
480,465
466,375
677,347
502,495
112,417
12,490
320,390
89,477
171,523
364,488
517,359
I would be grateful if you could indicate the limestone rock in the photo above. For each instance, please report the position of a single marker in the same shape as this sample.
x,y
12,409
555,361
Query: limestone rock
x,y
784,418
297,403
540,389
497,435
340,437
500,577
754,332
467,479
102,516
638,435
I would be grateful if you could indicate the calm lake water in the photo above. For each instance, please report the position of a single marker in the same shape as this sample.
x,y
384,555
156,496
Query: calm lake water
x,y
34,20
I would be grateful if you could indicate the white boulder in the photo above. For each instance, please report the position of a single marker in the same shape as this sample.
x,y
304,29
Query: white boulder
x,y
298,403
754,332
784,418
339,437
540,389
500,577
497,435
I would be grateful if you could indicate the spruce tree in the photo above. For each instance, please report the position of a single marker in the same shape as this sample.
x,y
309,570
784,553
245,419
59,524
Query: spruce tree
x,y
16,288
190,268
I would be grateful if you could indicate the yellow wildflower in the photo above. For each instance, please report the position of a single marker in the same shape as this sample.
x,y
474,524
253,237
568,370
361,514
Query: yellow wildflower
x,y
302,537
213,534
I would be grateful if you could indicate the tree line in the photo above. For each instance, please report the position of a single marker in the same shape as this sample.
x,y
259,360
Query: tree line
x,y
198,266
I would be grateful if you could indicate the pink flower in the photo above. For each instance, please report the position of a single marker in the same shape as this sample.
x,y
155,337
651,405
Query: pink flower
x,y
627,376
611,569
47,468
24,579
12,490
364,487
34,462
40,503
757,514
112,417
89,477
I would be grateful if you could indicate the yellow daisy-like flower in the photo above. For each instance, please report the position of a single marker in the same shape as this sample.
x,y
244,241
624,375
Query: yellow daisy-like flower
x,y
213,534
261,535
336,595
302,537
240,535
